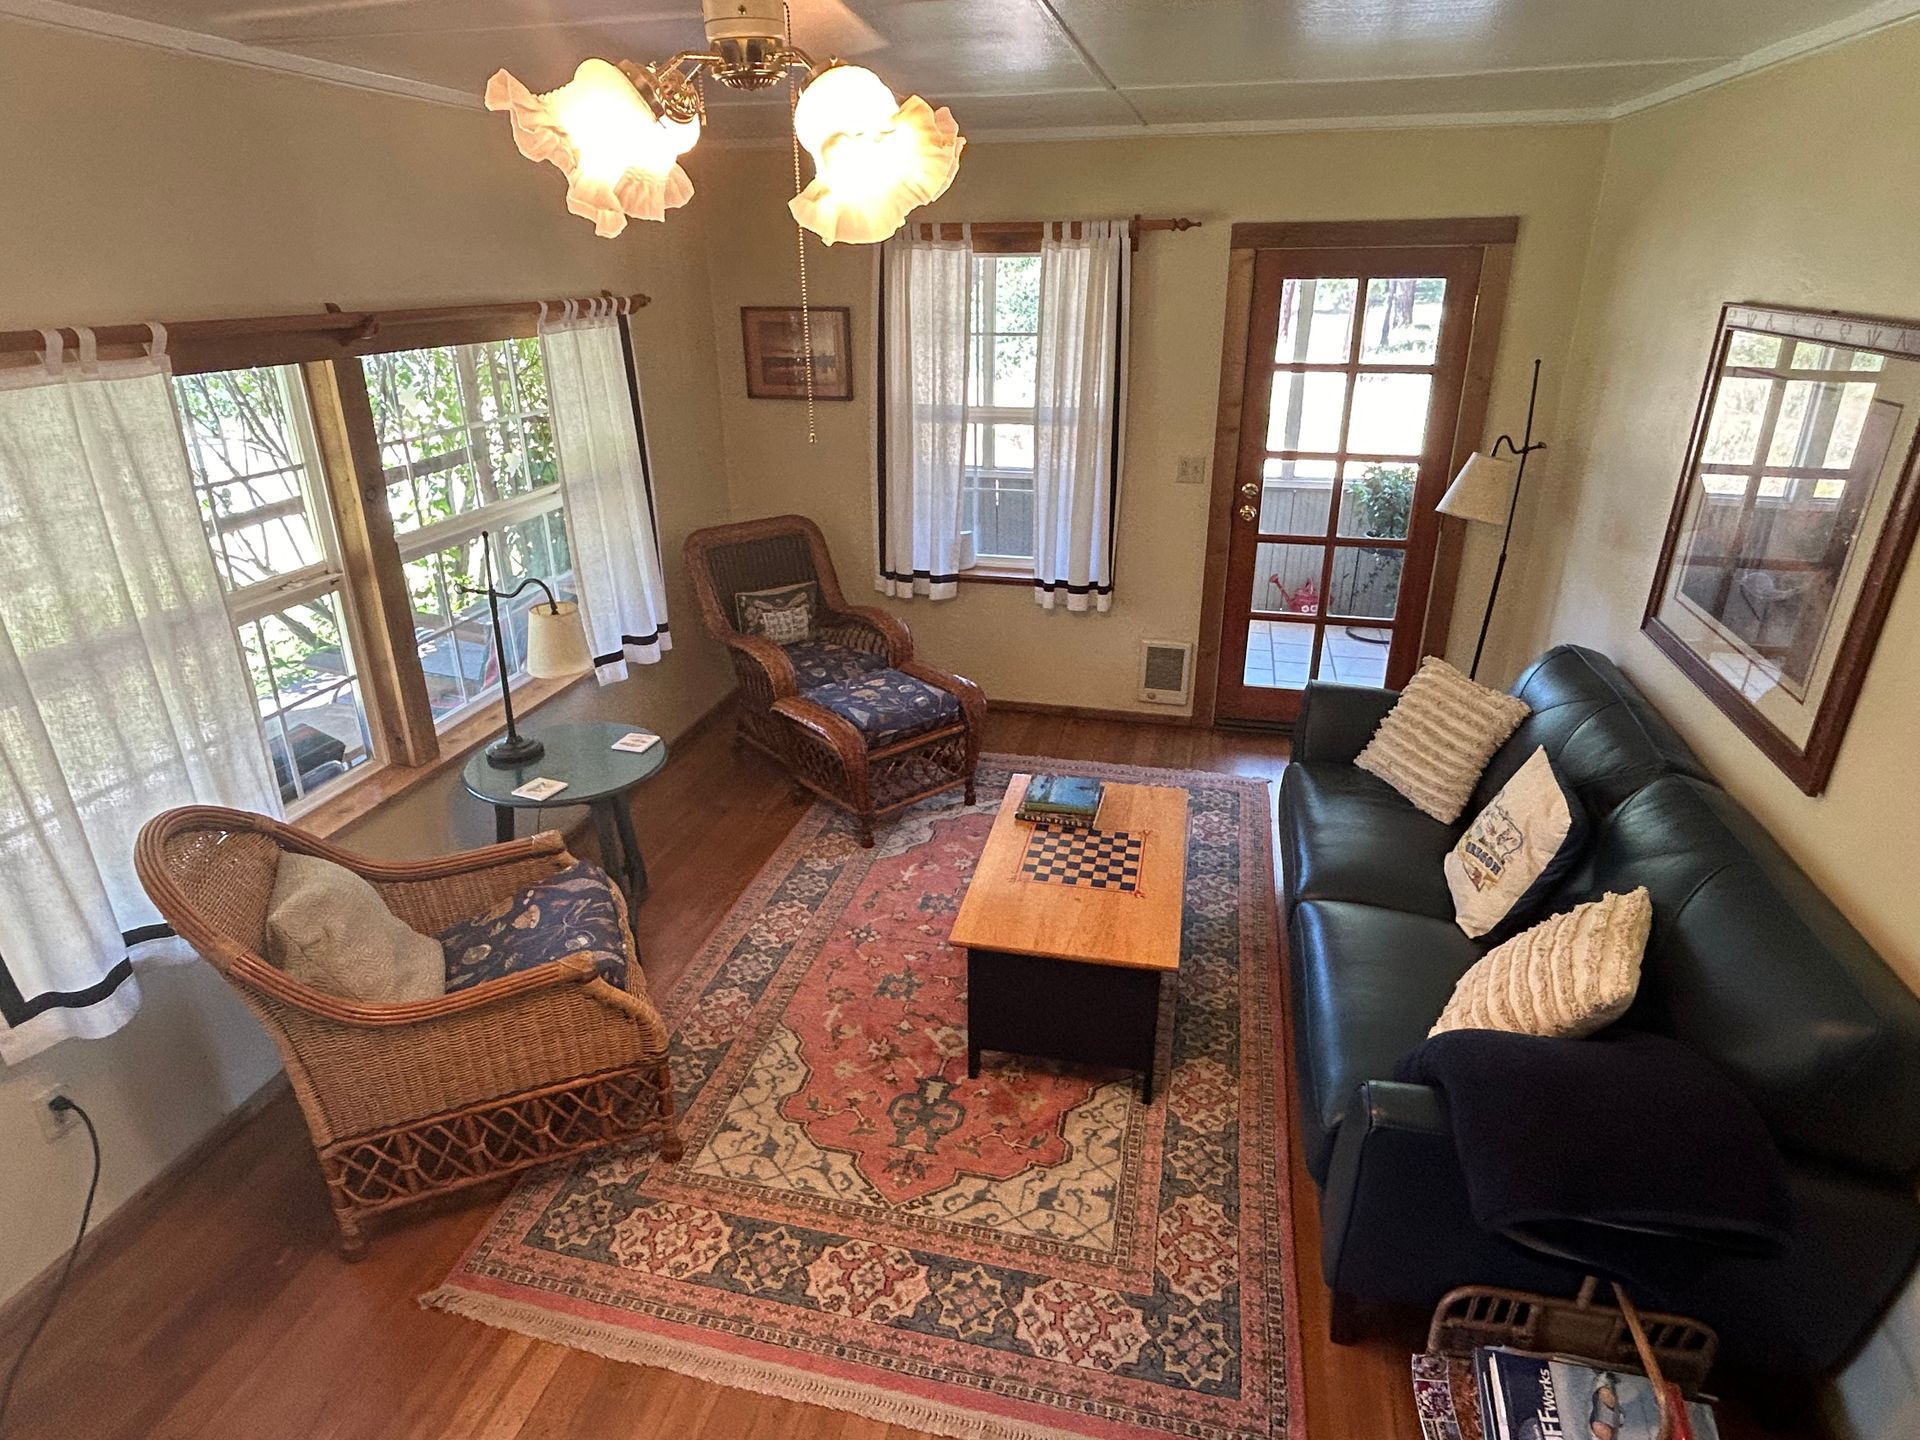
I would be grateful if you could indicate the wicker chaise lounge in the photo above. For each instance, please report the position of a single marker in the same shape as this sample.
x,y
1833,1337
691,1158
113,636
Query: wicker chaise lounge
x,y
410,1100
849,712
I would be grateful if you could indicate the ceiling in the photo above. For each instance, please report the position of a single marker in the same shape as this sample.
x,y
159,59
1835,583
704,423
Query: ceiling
x,y
1024,67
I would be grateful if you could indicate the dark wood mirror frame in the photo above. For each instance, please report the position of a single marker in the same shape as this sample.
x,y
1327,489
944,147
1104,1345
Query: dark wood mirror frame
x,y
1856,620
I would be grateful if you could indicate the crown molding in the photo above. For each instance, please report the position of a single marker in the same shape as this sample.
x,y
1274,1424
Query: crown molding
x,y
1883,15
59,15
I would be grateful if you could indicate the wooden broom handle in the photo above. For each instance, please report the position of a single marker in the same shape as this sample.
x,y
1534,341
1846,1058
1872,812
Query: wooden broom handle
x,y
1673,1422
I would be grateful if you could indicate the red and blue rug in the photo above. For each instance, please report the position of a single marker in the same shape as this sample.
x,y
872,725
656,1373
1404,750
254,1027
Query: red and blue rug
x,y
857,1224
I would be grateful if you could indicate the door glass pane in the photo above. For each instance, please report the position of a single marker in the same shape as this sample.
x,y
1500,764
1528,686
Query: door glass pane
x,y
1279,654
1389,414
1376,498
1402,323
1286,578
1367,582
1316,321
1295,497
1305,410
1355,654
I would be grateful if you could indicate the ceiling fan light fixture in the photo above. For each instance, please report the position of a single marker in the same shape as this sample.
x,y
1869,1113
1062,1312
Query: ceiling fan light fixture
x,y
875,158
619,152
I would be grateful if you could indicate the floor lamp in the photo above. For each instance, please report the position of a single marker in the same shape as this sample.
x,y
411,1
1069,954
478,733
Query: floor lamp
x,y
1487,492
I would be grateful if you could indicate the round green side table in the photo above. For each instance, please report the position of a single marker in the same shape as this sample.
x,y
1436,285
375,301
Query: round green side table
x,y
597,776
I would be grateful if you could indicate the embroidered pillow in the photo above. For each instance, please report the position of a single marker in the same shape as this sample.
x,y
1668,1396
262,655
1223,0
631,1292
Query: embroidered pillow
x,y
1517,850
1439,736
329,928
783,614
1568,976
574,912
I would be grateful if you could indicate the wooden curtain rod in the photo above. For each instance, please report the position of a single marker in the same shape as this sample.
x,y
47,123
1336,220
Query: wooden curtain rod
x,y
202,344
1016,235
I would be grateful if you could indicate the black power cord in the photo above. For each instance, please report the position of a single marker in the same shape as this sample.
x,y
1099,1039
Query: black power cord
x,y
58,1104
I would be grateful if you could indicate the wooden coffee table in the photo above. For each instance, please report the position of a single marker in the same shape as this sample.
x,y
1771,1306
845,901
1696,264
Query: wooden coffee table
x,y
1073,972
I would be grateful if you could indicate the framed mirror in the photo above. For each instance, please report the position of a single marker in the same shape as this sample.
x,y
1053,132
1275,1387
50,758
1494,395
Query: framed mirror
x,y
1796,512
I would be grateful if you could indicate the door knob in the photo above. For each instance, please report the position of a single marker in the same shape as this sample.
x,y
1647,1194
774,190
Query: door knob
x,y
1250,489
1247,513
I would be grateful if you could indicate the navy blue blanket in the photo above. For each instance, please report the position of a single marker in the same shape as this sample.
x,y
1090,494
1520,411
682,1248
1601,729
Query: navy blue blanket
x,y
1627,1153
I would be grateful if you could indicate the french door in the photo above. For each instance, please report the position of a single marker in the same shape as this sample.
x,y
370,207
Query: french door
x,y
1355,365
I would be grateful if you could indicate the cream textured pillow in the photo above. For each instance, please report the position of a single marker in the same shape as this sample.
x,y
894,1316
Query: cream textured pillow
x,y
330,929
1439,736
1517,850
1568,976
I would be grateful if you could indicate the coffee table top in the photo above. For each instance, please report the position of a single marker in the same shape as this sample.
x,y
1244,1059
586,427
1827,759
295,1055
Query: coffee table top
x,y
1139,929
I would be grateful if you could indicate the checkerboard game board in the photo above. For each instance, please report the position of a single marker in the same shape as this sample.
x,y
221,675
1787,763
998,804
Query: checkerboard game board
x,y
1098,859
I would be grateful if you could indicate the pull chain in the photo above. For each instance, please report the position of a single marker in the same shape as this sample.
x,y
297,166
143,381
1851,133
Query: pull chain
x,y
800,237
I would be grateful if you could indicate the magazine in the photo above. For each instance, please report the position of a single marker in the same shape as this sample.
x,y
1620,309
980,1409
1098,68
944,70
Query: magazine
x,y
1537,1397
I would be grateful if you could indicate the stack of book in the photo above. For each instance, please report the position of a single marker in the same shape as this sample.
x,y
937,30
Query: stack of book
x,y
1070,800
1548,1397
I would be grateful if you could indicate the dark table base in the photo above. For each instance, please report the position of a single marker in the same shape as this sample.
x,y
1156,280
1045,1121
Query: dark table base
x,y
1064,1010
619,846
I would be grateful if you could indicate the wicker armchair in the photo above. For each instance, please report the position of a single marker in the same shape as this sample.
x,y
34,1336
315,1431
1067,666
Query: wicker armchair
x,y
410,1100
786,713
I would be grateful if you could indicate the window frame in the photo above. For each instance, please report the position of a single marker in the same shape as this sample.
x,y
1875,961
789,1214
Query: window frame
x,y
993,565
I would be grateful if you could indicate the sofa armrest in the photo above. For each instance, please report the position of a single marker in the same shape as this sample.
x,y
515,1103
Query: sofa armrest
x,y
1395,1149
1337,721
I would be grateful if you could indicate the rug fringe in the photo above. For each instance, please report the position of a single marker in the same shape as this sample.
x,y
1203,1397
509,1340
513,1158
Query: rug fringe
x,y
700,1362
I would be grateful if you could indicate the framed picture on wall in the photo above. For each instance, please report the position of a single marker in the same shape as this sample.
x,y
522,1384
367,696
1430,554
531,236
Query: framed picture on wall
x,y
1795,517
775,344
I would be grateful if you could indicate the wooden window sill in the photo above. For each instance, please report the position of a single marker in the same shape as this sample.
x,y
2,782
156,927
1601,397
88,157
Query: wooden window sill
x,y
380,784
996,575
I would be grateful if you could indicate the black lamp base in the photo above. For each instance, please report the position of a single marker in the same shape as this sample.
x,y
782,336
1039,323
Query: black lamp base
x,y
511,751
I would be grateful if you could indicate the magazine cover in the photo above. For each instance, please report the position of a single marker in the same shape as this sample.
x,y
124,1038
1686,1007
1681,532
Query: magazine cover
x,y
1517,1398
1609,1405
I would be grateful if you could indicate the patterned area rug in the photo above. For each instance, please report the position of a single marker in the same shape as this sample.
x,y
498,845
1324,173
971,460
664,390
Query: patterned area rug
x,y
857,1224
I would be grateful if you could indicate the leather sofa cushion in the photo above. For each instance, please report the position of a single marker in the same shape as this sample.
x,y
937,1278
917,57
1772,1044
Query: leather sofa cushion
x,y
1368,983
1348,835
1754,968
1603,737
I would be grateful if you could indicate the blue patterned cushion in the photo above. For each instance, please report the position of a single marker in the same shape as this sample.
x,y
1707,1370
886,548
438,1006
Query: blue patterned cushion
x,y
886,706
821,662
574,912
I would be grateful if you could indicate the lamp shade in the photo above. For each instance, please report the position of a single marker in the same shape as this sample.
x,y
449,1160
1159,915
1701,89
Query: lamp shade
x,y
874,159
556,645
1481,492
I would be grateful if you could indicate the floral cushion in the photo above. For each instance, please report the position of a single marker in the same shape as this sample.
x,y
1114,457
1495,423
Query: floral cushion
x,y
886,706
575,912
821,662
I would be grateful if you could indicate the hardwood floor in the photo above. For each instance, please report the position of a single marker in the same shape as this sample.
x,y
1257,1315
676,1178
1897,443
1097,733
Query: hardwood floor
x,y
226,1313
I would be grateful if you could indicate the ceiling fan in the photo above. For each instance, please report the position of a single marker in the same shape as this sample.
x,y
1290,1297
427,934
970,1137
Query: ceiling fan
x,y
617,130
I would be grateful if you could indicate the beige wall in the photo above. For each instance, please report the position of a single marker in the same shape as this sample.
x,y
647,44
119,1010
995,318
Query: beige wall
x,y
1800,185
141,185
996,634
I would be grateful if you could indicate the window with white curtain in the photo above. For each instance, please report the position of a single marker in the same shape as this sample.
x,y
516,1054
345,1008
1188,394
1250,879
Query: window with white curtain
x,y
262,495
1003,338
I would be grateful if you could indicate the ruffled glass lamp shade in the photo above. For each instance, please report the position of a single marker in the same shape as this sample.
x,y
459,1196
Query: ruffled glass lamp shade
x,y
875,159
620,157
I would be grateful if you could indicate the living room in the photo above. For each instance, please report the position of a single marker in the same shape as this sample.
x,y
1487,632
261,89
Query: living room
x,y
1638,214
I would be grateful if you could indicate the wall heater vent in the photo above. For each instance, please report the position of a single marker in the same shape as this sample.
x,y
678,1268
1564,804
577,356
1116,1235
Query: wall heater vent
x,y
1166,671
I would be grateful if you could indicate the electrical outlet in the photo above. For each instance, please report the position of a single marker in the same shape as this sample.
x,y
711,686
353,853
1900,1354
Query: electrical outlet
x,y
54,1124
1192,470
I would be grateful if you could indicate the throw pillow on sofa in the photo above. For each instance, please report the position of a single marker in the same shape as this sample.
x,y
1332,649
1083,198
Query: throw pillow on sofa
x,y
1439,736
1517,850
328,928
1568,976
783,614
575,911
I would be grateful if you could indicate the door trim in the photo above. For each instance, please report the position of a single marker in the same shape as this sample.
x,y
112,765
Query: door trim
x,y
1497,236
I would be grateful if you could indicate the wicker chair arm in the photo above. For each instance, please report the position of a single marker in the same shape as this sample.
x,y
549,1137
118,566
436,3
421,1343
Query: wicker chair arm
x,y
873,629
973,700
270,980
548,843
770,658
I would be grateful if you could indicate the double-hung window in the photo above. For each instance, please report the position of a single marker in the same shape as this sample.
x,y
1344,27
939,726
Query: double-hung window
x,y
250,442
997,499
466,443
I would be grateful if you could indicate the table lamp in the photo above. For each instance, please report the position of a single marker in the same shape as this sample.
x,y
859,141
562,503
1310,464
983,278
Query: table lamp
x,y
556,648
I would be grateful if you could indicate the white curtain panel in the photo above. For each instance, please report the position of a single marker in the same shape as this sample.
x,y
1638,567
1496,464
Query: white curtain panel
x,y
1080,410
122,688
609,502
926,286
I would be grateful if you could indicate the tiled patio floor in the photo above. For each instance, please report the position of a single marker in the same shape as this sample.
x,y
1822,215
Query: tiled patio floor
x,y
1278,655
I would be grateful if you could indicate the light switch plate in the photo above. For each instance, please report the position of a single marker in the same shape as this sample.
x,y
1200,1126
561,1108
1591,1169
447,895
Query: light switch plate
x,y
1192,470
